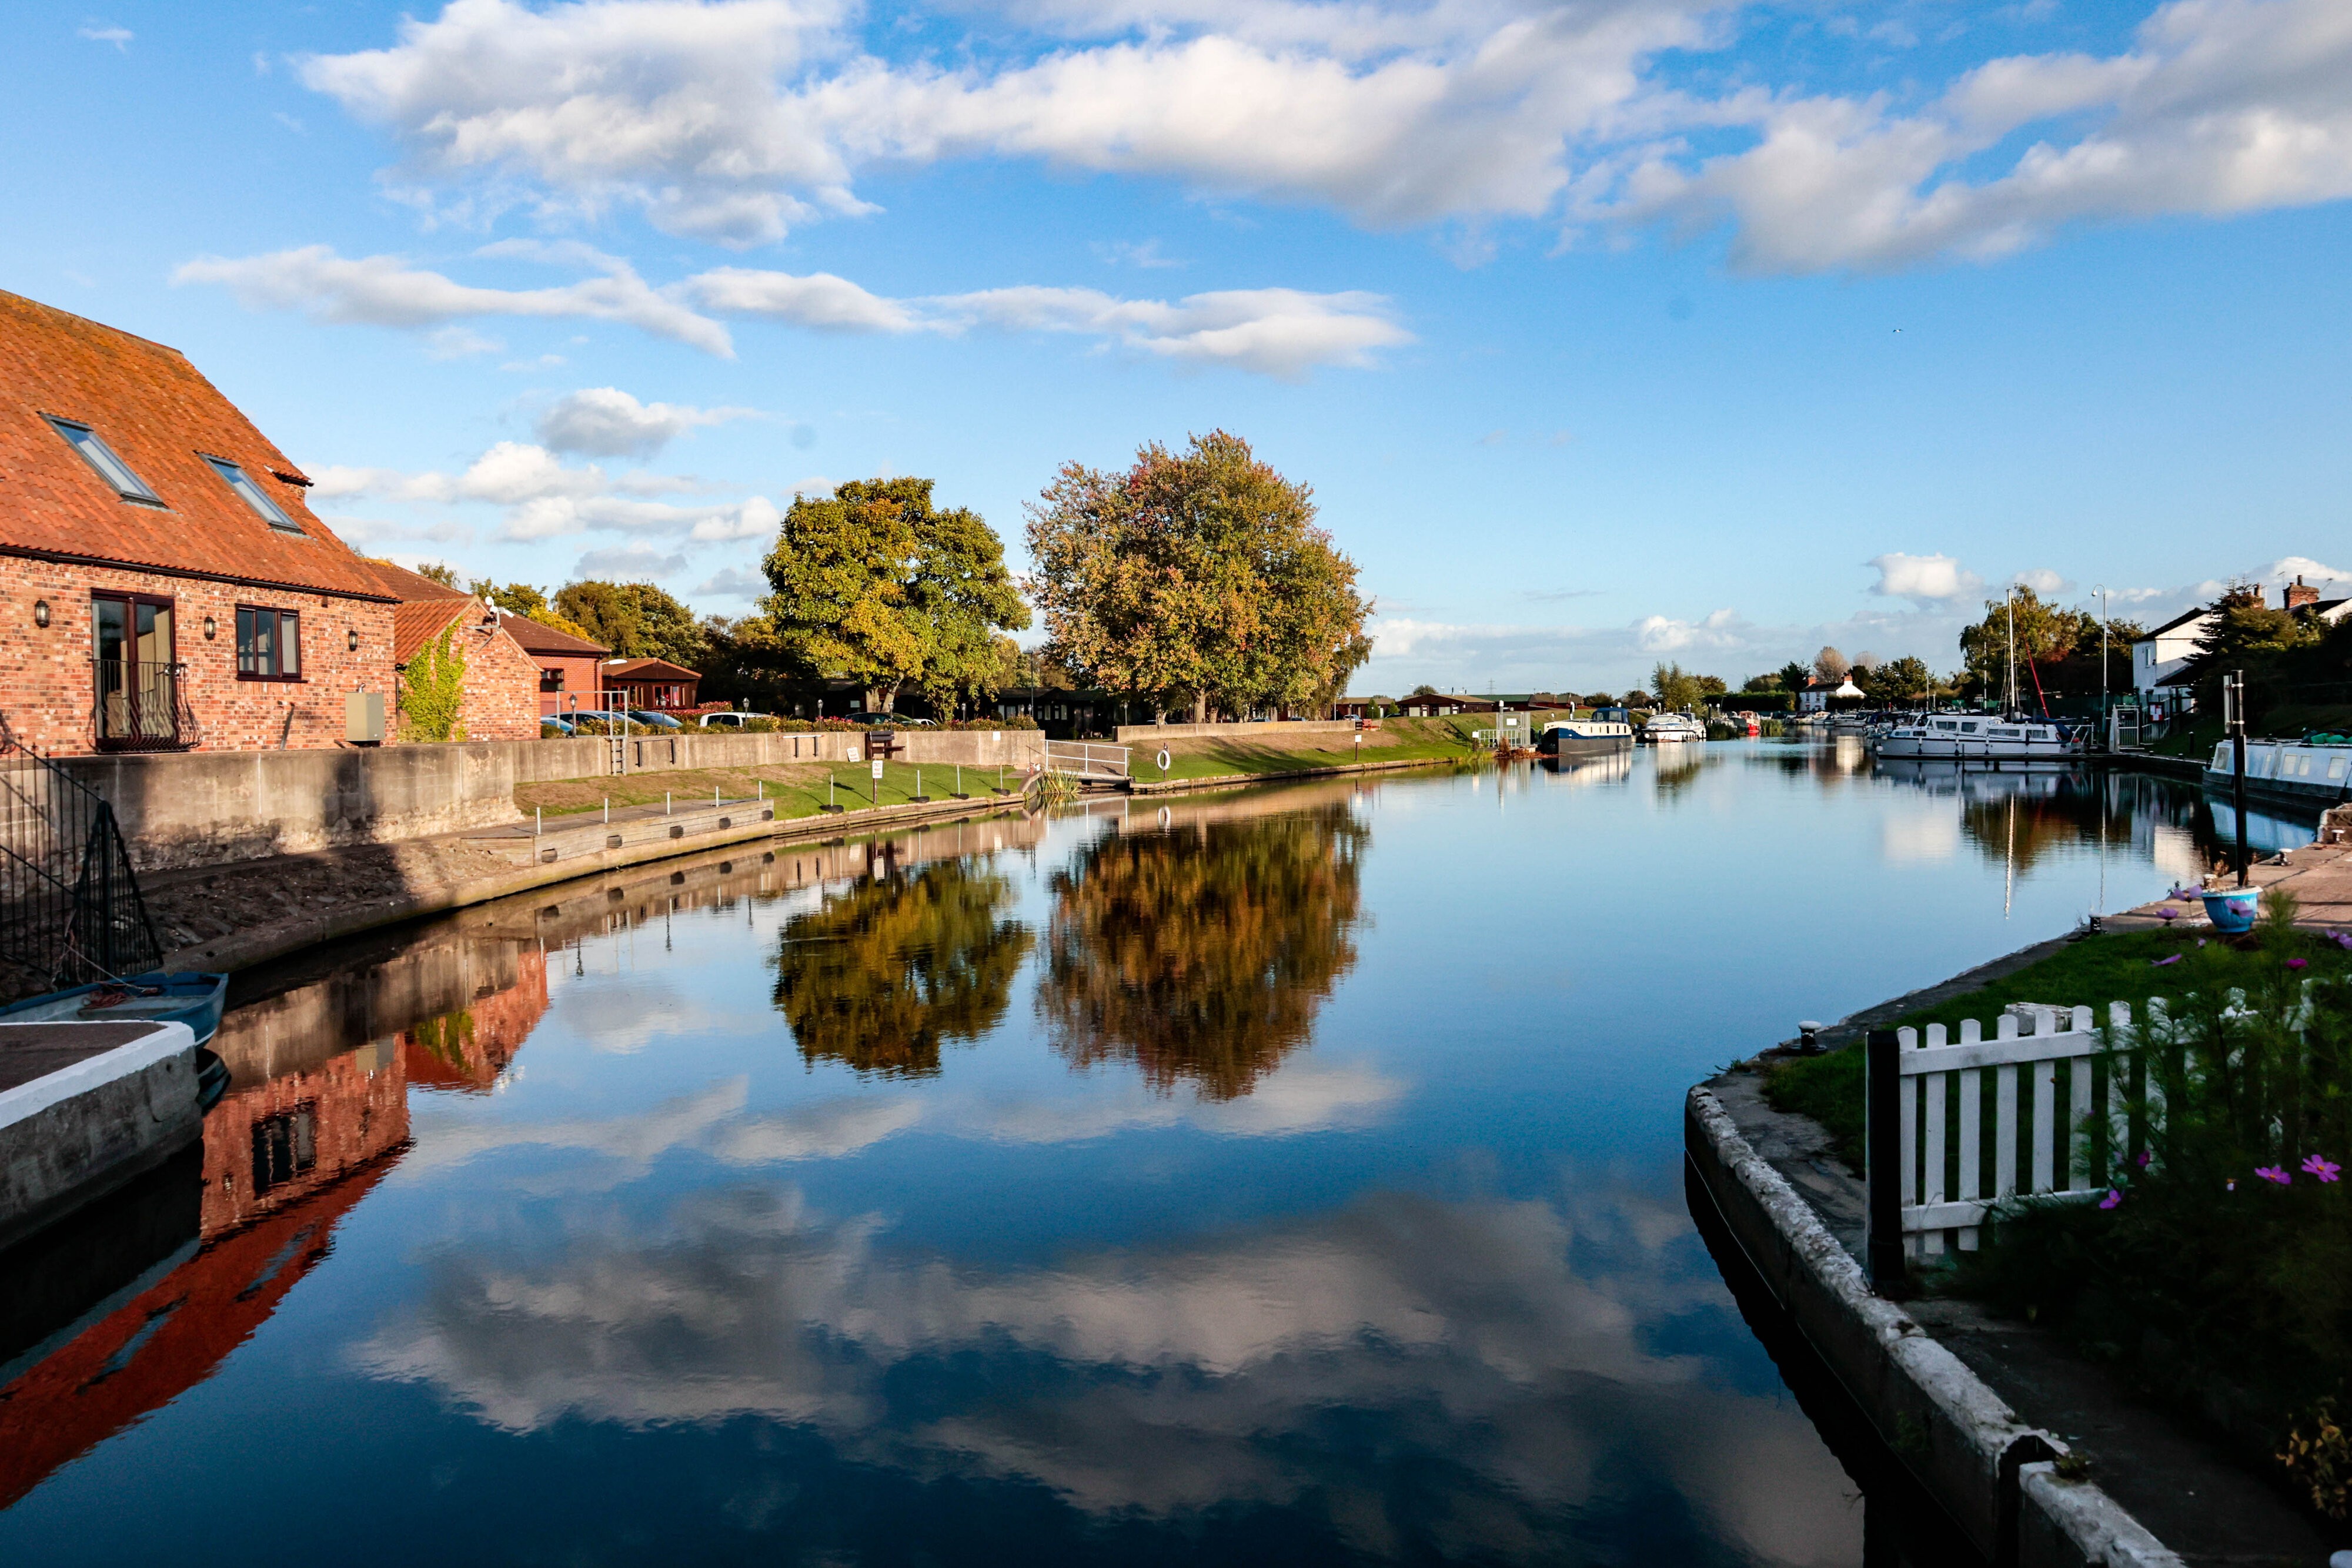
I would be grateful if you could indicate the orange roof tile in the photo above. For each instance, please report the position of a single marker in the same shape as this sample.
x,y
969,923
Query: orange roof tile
x,y
402,584
418,622
656,668
536,638
162,418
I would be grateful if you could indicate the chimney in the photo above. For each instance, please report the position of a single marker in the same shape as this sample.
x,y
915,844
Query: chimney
x,y
2297,595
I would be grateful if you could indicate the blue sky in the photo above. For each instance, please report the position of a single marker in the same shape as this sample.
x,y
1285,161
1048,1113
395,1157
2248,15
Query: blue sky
x,y
1606,332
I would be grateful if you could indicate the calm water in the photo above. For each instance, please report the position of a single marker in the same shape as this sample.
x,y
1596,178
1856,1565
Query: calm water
x,y
1288,1176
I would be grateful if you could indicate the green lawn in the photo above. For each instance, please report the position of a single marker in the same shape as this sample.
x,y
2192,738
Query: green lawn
x,y
2092,972
798,789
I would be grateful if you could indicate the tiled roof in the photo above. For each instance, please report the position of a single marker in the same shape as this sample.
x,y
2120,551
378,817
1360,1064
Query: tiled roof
x,y
418,622
655,668
162,418
535,637
402,584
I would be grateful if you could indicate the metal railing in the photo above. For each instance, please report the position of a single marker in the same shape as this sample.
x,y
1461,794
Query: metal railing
x,y
1083,761
69,906
136,705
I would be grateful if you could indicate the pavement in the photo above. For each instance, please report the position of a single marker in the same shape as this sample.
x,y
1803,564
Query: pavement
x,y
2318,875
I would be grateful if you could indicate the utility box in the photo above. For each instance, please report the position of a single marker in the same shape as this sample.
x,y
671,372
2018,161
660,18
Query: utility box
x,y
364,718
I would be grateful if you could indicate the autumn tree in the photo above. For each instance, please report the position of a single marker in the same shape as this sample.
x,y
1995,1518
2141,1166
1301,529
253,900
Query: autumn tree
x,y
530,603
634,620
1680,689
1199,579
1831,666
885,973
1202,956
1903,680
874,583
2057,648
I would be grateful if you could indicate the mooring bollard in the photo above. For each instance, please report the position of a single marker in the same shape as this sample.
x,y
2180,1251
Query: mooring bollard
x,y
608,810
538,821
1881,1069
665,802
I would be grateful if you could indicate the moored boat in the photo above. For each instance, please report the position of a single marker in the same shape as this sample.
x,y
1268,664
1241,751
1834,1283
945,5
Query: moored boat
x,y
1979,737
193,999
1672,728
1606,731
2318,771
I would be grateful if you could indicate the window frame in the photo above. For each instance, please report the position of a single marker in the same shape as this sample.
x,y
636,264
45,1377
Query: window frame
x,y
276,656
144,496
257,500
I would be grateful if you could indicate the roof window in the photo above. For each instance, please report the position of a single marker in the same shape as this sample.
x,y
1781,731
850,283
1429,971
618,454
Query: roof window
x,y
100,456
254,496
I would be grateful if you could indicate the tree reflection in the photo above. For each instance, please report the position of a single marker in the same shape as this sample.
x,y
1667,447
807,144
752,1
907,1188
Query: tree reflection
x,y
1203,954
885,974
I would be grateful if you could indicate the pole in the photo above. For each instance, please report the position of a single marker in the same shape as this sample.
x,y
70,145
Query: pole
x,y
2103,654
2233,691
1882,1160
2009,604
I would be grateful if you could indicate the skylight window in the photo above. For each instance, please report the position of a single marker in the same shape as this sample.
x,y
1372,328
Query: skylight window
x,y
255,496
100,456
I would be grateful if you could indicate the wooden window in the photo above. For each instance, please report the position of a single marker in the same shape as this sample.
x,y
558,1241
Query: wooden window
x,y
269,643
551,680
136,670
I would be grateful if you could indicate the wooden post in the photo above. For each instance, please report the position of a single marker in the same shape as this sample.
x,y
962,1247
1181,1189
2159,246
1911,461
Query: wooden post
x,y
1883,1156
2234,686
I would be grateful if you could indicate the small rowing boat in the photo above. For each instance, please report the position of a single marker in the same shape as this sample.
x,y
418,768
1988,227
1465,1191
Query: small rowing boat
x,y
194,999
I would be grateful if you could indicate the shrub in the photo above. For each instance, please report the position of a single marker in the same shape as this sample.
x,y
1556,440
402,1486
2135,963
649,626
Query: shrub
x,y
2225,1253
433,690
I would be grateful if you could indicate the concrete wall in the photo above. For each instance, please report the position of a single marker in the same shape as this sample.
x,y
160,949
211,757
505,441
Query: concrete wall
x,y
67,1137
207,808
1153,734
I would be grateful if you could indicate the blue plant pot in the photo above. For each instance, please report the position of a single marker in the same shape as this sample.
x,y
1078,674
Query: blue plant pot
x,y
2233,910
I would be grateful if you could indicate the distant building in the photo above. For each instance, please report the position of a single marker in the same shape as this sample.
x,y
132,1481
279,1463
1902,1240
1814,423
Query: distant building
x,y
654,684
1819,693
2160,660
569,667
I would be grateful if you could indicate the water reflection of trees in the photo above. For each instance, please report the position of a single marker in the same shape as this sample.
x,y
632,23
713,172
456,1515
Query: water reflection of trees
x,y
885,973
1202,956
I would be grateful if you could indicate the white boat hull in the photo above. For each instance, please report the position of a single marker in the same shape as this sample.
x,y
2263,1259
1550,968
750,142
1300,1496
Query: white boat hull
x,y
1932,749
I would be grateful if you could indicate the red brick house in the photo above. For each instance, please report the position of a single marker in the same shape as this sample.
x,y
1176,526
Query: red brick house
x,y
569,667
500,699
163,586
654,684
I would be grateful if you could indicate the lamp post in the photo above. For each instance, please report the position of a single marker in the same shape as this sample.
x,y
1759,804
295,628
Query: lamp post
x,y
2101,591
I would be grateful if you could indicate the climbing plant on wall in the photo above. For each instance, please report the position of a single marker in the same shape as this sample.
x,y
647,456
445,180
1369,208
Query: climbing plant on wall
x,y
432,689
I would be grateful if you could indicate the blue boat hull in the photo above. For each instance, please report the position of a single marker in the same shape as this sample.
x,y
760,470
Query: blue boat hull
x,y
194,1000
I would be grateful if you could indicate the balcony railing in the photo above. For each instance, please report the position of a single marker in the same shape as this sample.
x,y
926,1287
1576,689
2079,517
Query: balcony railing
x,y
138,706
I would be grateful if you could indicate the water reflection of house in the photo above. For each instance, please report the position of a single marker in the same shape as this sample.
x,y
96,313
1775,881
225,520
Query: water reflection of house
x,y
318,1112
467,1048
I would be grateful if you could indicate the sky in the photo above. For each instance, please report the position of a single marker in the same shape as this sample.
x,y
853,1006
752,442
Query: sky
x,y
1605,333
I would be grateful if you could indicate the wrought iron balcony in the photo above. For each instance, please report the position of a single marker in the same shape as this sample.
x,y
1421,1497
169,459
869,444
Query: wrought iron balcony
x,y
138,706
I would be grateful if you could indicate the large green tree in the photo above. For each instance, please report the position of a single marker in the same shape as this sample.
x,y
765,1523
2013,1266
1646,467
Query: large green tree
x,y
1197,578
530,603
2057,649
875,583
1903,680
635,619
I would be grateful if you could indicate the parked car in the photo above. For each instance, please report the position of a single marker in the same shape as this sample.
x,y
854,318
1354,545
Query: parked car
x,y
653,720
730,720
559,725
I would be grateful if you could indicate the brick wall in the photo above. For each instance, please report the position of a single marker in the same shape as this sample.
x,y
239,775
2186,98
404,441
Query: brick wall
x,y
45,685
579,680
501,688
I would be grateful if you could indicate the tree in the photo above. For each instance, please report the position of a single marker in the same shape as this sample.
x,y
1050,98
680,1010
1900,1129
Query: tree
x,y
1678,688
1831,666
1423,690
1793,675
440,571
2057,649
874,583
1197,579
634,620
1901,680
1635,699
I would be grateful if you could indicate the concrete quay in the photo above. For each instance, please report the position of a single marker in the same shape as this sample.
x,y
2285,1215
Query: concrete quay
x,y
85,1107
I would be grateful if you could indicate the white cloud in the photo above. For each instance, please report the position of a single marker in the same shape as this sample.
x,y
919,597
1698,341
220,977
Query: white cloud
x,y
734,121
605,421
2043,581
108,33
629,563
459,343
2223,107
385,291
544,499
1282,332
1925,578
733,583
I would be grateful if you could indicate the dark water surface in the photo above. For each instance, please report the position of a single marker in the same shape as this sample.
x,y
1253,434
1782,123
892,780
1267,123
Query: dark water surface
x,y
1288,1176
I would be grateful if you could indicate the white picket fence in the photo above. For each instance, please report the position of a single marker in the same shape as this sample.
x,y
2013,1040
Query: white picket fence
x,y
1948,1185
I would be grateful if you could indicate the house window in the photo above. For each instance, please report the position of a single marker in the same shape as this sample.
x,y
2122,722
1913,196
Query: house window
x,y
137,678
99,455
254,496
268,644
551,680
284,1146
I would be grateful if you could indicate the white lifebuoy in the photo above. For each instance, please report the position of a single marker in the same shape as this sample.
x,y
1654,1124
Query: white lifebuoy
x,y
1163,759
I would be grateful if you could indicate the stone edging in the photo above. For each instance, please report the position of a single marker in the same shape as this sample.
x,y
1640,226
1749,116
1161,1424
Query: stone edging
x,y
1963,1443
1237,781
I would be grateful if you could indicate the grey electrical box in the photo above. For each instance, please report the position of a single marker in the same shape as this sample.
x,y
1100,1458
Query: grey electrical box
x,y
364,718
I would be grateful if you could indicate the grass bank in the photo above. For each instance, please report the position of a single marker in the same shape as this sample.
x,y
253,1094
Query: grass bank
x,y
799,789
1220,756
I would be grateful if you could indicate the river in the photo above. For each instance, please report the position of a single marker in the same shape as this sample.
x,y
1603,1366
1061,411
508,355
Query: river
x,y
1286,1175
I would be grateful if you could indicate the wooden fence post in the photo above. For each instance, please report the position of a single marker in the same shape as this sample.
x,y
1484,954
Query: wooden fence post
x,y
1883,1156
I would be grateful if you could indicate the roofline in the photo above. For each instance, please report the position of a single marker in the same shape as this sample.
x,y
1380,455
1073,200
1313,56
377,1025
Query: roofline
x,y
94,321
67,558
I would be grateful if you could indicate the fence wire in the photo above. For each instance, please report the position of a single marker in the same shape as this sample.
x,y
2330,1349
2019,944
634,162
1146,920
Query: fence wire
x,y
70,907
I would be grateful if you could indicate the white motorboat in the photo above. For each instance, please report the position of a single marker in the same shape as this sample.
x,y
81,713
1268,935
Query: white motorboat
x,y
1979,737
1668,728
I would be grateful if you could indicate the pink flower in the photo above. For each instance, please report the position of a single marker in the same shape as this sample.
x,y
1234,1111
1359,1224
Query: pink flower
x,y
2160,963
2113,1198
2273,1173
2325,1169
2142,1161
2298,963
2168,915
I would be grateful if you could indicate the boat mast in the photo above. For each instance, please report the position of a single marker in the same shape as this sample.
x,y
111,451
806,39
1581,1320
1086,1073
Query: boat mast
x,y
2009,605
